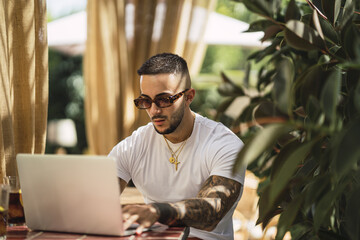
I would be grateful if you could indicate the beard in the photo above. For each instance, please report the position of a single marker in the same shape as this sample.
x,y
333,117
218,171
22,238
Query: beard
x,y
175,121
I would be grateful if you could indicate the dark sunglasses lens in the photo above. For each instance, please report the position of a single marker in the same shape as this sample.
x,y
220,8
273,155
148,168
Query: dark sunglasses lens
x,y
162,102
143,103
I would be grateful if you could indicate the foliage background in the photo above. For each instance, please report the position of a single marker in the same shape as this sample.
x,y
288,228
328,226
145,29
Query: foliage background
x,y
66,96
302,123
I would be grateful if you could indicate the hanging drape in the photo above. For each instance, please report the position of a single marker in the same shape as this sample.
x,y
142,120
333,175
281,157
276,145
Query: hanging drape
x,y
24,80
122,34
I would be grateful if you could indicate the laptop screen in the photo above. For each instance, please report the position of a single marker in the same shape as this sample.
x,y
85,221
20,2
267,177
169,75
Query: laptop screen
x,y
70,193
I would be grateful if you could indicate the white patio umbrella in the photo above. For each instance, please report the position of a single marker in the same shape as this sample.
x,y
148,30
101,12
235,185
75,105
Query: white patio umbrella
x,y
68,34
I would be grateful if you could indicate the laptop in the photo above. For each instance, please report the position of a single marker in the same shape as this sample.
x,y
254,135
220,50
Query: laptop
x,y
71,193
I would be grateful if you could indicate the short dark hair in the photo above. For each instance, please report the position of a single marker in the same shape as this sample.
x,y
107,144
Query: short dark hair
x,y
164,63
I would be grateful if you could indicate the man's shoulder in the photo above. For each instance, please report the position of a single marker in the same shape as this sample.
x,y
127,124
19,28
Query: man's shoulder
x,y
145,129
215,131
210,124
137,136
206,122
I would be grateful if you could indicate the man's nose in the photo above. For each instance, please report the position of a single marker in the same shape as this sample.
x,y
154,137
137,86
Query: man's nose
x,y
154,109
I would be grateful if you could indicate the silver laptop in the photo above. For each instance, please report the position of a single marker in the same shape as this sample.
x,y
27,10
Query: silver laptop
x,y
71,193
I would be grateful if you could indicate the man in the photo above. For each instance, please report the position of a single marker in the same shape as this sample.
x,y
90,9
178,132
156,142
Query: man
x,y
181,162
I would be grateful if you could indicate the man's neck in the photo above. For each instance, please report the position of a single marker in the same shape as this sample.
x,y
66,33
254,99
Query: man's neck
x,y
184,130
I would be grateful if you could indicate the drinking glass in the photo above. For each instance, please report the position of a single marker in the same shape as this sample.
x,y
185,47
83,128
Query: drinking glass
x,y
4,204
16,211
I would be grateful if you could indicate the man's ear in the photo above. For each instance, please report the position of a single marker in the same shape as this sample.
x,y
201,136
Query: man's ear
x,y
190,94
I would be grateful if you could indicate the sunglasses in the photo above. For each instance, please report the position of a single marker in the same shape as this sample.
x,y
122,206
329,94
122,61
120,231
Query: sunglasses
x,y
162,101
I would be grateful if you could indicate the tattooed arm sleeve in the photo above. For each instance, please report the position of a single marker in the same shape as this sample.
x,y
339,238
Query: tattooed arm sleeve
x,y
214,200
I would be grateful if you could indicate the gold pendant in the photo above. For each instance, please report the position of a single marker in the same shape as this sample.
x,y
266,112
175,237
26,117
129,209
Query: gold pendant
x,y
172,160
176,163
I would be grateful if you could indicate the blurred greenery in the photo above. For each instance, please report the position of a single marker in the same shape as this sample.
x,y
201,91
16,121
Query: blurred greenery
x,y
235,10
301,126
228,57
66,96
219,58
231,60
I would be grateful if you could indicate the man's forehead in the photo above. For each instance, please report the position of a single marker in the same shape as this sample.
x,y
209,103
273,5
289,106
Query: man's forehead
x,y
158,94
164,82
161,77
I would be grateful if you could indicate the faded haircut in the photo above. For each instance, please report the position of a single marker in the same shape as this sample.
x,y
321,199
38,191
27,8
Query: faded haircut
x,y
166,63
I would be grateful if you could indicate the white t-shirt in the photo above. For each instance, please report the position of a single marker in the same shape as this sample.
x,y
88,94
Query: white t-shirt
x,y
210,150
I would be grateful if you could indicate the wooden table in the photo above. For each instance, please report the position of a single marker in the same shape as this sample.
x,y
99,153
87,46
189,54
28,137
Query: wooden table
x,y
160,233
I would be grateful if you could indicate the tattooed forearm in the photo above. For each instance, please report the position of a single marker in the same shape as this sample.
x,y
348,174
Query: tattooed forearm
x,y
214,200
169,214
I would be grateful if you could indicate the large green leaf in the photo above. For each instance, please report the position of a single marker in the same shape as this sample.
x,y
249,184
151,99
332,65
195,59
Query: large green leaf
x,y
308,168
283,156
315,189
302,37
259,55
352,215
268,211
265,78
246,79
346,151
292,11
271,31
259,25
327,234
259,6
288,216
347,13
329,31
283,79
283,51
281,180
326,204
267,109
351,41
351,104
300,230
229,88
309,83
261,142
317,24
247,114
307,18
331,9
315,114
224,105
330,95
254,55
357,97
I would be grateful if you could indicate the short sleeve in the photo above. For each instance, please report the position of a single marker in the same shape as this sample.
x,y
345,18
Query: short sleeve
x,y
122,155
223,151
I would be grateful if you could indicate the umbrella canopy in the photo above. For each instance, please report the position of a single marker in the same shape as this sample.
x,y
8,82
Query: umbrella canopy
x,y
68,34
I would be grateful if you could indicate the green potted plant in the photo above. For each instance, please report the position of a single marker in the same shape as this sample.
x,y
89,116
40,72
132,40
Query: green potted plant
x,y
302,125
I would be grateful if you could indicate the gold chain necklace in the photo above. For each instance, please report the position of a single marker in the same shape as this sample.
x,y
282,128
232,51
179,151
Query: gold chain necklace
x,y
174,158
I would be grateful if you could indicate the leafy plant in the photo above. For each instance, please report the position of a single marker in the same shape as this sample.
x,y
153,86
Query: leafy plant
x,y
302,124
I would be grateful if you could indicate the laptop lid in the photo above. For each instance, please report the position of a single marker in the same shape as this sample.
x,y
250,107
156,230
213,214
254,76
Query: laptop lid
x,y
70,193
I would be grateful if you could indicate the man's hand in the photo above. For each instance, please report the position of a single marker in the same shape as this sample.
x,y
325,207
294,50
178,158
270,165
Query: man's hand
x,y
144,215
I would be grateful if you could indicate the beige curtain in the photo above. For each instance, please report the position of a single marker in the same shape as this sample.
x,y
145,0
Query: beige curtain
x,y
121,36
24,80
